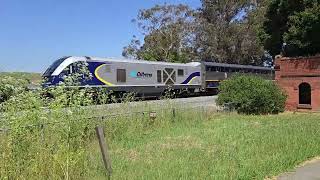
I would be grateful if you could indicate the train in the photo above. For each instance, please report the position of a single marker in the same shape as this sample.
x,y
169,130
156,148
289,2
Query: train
x,y
149,78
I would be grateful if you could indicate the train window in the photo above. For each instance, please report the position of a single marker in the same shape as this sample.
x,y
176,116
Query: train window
x,y
159,73
180,72
121,75
165,76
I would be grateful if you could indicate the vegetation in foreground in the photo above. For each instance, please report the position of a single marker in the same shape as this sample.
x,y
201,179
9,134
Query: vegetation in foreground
x,y
59,141
193,144
220,147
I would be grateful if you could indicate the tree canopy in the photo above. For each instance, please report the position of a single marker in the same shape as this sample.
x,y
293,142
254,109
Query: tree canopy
x,y
218,31
168,34
227,31
293,23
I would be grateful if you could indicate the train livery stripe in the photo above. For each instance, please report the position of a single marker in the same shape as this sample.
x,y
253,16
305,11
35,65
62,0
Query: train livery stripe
x,y
99,78
191,78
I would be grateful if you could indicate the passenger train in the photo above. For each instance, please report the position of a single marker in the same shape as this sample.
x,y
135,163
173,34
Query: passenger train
x,y
146,78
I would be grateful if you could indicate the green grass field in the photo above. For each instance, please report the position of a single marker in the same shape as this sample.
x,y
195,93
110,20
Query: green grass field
x,y
219,147
192,145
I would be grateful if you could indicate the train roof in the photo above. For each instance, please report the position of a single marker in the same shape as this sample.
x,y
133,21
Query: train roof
x,y
62,63
141,61
59,65
207,63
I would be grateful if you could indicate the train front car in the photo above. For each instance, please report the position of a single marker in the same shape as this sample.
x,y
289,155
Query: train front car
x,y
62,68
50,79
144,78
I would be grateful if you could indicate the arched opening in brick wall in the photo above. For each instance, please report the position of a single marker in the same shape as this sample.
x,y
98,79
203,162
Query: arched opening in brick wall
x,y
305,94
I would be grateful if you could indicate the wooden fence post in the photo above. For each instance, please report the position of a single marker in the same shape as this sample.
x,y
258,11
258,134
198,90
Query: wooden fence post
x,y
104,150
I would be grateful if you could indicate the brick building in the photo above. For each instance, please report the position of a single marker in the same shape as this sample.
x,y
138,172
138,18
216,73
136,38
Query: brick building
x,y
300,78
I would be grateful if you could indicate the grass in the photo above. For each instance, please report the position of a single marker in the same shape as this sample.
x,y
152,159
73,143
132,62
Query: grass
x,y
220,147
192,145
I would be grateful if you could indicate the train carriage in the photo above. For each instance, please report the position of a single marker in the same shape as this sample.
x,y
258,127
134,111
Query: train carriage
x,y
217,72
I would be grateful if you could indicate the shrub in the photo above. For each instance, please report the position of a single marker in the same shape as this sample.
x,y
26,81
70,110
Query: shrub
x,y
252,95
11,86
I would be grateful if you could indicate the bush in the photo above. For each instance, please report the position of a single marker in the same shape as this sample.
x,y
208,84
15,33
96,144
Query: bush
x,y
252,95
11,86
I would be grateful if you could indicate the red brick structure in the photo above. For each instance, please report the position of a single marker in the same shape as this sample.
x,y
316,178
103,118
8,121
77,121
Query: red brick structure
x,y
300,78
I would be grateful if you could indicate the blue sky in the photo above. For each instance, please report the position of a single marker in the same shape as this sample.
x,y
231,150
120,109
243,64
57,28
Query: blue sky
x,y
33,33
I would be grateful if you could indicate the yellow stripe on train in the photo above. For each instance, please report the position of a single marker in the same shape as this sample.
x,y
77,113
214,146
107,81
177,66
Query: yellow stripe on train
x,y
101,79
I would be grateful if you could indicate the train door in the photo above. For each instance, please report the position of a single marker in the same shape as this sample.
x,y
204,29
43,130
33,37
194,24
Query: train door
x,y
169,76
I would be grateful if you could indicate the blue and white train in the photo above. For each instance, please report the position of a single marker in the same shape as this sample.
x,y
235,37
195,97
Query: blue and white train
x,y
148,77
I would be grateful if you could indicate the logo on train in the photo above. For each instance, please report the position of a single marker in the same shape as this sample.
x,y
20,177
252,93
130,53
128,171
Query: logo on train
x,y
136,74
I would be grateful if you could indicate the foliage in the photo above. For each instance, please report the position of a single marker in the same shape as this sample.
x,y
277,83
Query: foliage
x,y
42,145
291,22
219,31
252,95
303,37
11,86
228,34
226,146
169,34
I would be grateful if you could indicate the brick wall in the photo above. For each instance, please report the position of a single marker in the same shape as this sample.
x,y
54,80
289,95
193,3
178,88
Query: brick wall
x,y
291,72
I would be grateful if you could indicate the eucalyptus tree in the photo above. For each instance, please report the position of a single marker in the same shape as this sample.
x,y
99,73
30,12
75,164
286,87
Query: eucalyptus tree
x,y
221,31
229,34
169,33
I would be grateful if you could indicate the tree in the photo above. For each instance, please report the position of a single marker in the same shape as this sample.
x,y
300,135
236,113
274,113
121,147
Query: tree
x,y
281,24
228,35
303,37
220,31
169,32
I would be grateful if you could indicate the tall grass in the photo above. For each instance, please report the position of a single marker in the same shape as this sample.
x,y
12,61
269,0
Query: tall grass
x,y
217,147
188,144
59,141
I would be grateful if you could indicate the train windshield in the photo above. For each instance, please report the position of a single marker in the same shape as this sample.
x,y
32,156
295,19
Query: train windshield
x,y
54,66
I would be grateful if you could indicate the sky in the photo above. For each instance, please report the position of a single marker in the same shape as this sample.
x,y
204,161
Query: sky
x,y
34,33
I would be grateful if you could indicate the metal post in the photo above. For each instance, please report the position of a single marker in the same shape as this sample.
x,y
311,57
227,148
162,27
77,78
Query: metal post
x,y
104,150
